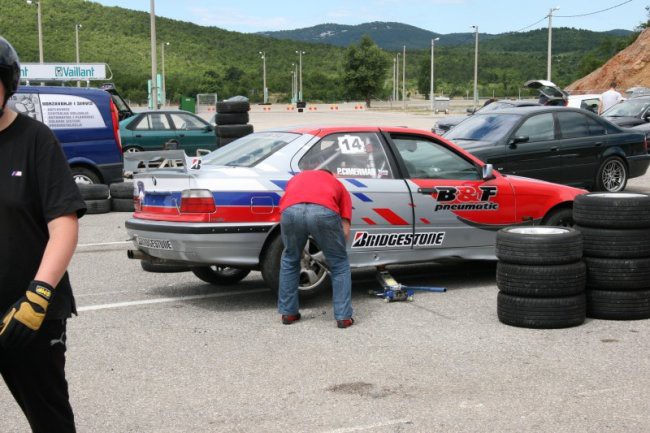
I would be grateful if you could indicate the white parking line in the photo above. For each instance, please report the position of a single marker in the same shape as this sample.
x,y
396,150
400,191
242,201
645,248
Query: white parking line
x,y
371,426
164,300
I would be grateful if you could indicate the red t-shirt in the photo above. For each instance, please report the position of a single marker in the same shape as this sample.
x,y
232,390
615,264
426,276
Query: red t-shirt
x,y
318,187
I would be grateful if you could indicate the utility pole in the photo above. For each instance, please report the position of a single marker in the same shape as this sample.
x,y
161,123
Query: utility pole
x,y
154,72
76,34
550,32
475,67
404,78
432,94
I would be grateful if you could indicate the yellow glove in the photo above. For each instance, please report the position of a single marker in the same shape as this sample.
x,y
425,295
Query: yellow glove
x,y
24,318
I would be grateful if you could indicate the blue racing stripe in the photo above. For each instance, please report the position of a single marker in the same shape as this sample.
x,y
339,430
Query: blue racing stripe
x,y
356,183
361,196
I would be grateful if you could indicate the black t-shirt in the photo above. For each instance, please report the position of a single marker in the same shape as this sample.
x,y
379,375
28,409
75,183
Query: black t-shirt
x,y
36,187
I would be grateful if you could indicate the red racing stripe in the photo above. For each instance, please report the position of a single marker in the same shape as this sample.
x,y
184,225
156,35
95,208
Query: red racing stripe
x,y
392,217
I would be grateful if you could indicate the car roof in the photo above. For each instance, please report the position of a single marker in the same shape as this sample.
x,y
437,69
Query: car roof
x,y
322,130
530,109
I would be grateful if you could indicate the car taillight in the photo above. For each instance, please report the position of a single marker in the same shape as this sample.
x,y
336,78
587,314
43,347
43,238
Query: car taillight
x,y
197,201
116,124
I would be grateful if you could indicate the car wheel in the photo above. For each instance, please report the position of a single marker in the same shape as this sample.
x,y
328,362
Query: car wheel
x,y
542,313
313,276
612,210
132,149
539,245
83,175
220,275
612,175
618,305
542,281
559,218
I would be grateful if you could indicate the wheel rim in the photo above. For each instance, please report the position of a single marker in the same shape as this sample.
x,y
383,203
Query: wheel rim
x,y
538,230
81,179
132,150
613,176
225,271
312,273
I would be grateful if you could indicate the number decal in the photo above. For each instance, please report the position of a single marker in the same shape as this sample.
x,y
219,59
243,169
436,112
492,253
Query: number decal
x,y
351,144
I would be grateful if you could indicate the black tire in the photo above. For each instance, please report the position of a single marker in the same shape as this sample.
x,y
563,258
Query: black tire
x,y
162,268
232,118
122,190
93,191
612,175
224,141
612,210
541,313
98,206
541,281
618,305
83,175
234,131
122,205
131,149
220,275
618,274
233,107
310,284
615,243
539,245
562,217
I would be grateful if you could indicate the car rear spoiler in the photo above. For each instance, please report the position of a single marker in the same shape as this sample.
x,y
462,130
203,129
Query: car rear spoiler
x,y
140,162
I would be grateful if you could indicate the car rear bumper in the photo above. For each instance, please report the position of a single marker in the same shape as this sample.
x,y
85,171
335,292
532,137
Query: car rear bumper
x,y
638,165
204,243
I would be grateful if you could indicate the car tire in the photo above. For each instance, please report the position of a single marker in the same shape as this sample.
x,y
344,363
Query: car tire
x,y
234,131
539,245
612,210
162,268
618,305
618,274
615,243
542,313
93,191
122,190
132,149
232,118
83,175
98,206
612,175
233,107
122,204
562,217
310,284
541,281
220,275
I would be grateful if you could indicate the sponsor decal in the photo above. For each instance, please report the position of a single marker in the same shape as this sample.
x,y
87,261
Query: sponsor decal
x,y
196,164
466,198
16,173
351,144
370,240
353,171
44,292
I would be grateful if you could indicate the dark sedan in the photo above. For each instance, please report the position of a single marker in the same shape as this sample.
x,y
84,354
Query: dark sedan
x,y
445,124
631,112
557,144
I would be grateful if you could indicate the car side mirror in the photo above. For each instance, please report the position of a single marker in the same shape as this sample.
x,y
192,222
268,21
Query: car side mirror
x,y
646,116
487,172
471,110
518,139
208,128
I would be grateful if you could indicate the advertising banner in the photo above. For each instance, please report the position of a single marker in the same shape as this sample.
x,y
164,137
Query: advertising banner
x,y
63,71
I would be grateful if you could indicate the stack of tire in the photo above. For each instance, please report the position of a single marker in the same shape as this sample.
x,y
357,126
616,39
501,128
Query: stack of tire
x,y
96,196
122,197
616,232
232,121
541,277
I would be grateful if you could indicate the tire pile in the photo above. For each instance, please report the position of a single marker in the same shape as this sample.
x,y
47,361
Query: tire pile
x,y
101,198
616,233
232,121
541,277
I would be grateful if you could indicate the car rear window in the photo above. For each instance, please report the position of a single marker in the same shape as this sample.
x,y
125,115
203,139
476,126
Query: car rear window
x,y
249,150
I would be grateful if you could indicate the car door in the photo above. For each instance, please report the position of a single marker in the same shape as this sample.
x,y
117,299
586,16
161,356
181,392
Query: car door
x,y
454,207
382,215
152,131
193,133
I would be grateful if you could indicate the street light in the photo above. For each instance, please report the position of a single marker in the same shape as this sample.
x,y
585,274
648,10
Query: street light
x,y
432,87
164,90
265,90
300,53
394,76
76,35
404,77
550,31
40,29
154,72
397,78
475,67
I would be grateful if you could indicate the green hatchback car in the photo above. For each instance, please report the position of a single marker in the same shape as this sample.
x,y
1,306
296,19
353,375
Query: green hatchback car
x,y
172,129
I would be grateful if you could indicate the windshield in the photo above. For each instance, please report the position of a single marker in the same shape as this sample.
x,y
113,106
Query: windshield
x,y
629,108
484,127
250,149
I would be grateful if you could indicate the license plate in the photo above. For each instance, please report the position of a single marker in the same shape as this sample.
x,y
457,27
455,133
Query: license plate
x,y
158,244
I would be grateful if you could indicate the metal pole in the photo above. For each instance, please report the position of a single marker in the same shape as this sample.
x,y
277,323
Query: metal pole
x,y
393,95
300,53
475,67
550,32
432,86
164,89
397,79
404,78
40,32
264,90
76,33
154,72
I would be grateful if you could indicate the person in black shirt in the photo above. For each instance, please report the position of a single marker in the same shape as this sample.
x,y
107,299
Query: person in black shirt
x,y
39,210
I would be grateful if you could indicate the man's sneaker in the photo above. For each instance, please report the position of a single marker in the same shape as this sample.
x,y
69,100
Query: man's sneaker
x,y
345,323
288,319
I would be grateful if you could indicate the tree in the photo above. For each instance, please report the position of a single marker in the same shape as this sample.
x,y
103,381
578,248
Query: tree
x,y
364,69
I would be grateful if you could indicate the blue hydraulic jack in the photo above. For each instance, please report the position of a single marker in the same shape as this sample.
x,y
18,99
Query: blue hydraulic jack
x,y
393,291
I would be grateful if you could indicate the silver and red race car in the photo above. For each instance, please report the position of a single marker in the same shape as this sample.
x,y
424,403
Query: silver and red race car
x,y
416,198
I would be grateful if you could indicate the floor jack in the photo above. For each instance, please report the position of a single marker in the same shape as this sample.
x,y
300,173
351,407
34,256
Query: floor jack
x,y
393,291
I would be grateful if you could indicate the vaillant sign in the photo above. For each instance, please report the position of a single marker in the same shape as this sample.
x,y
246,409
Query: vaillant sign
x,y
63,71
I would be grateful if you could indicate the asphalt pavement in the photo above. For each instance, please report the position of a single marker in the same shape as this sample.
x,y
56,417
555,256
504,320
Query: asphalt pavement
x,y
152,352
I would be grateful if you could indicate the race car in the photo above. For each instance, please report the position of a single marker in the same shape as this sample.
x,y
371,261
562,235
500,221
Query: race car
x,y
416,197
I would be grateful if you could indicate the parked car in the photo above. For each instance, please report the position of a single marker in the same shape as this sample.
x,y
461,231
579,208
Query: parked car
x,y
416,198
154,130
549,93
631,112
586,102
446,123
557,144
85,121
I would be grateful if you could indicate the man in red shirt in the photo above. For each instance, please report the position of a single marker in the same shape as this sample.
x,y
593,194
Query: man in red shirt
x,y
315,204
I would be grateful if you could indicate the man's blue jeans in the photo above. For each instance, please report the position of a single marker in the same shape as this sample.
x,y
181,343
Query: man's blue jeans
x,y
298,222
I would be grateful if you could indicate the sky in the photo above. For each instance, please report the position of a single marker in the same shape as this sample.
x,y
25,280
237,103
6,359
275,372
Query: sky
x,y
439,16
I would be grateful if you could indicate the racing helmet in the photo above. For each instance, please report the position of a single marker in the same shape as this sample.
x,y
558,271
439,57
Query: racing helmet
x,y
9,69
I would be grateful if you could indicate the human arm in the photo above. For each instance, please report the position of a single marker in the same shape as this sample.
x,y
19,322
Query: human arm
x,y
346,227
64,232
